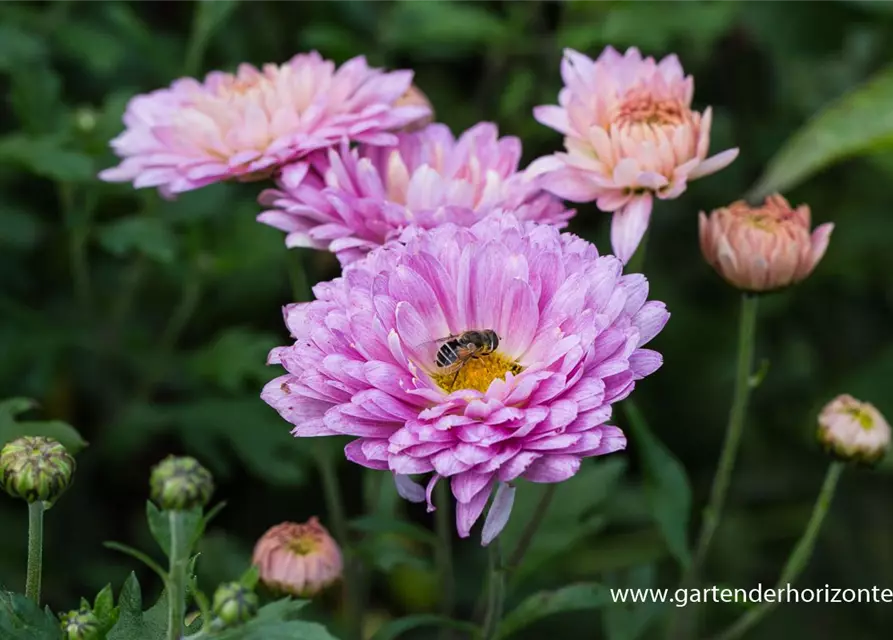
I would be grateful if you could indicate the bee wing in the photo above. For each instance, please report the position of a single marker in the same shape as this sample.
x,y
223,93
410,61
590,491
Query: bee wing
x,y
428,343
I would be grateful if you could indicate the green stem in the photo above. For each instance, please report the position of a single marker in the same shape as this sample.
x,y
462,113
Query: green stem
x,y
35,550
713,512
533,525
176,579
444,526
799,556
77,245
496,595
678,627
335,507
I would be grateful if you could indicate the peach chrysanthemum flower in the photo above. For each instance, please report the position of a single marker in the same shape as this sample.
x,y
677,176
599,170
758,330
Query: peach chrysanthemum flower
x,y
630,136
853,430
245,125
762,248
298,559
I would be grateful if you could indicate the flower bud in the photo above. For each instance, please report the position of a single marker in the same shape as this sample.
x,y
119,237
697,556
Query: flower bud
x,y
36,468
80,625
180,484
853,430
413,97
762,248
298,559
234,603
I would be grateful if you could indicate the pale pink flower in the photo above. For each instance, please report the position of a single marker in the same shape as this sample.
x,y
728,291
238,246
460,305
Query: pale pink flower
x,y
298,559
368,360
853,430
630,135
245,125
762,248
350,201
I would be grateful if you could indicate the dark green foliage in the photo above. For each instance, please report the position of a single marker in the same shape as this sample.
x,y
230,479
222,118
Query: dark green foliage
x,y
146,323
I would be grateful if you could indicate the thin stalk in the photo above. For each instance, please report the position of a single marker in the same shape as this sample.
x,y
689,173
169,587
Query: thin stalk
x,y
77,246
799,555
35,550
533,525
444,524
678,627
335,507
176,579
496,593
713,511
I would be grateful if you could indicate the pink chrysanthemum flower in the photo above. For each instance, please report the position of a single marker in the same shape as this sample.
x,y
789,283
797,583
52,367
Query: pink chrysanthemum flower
x,y
630,135
246,124
350,201
559,340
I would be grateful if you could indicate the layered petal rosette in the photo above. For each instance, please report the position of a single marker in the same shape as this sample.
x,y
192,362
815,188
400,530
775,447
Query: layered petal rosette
x,y
245,125
630,135
350,201
368,355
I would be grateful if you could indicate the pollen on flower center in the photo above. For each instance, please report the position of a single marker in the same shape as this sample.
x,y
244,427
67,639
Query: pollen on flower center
x,y
862,417
302,545
477,373
641,109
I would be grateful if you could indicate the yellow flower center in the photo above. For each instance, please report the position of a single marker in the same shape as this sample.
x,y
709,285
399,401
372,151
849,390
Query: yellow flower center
x,y
477,373
862,417
641,108
302,545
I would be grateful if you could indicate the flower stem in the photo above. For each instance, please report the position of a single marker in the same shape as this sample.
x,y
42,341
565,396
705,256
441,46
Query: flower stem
x,y
678,627
496,595
713,512
445,550
35,550
533,525
335,507
176,579
799,556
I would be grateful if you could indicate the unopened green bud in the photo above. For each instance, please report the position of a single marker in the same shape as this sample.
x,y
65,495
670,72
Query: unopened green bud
x,y
80,625
234,603
180,484
36,468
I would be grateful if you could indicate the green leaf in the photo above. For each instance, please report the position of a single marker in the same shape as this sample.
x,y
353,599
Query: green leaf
x,y
208,18
666,485
276,621
133,622
432,29
578,597
22,619
10,428
137,554
572,515
19,48
160,526
628,620
47,157
395,628
36,98
250,578
382,524
236,358
105,610
150,237
860,122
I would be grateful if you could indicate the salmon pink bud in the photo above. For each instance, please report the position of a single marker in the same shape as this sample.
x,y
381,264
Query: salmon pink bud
x,y
299,559
762,248
35,468
853,430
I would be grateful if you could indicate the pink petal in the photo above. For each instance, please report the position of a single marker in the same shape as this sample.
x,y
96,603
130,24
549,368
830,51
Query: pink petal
x,y
498,515
629,225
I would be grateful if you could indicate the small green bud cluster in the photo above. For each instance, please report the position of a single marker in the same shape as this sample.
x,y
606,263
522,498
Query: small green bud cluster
x,y
234,603
80,625
36,468
180,484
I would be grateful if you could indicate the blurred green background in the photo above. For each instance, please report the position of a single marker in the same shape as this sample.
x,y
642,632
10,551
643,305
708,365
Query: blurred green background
x,y
146,323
